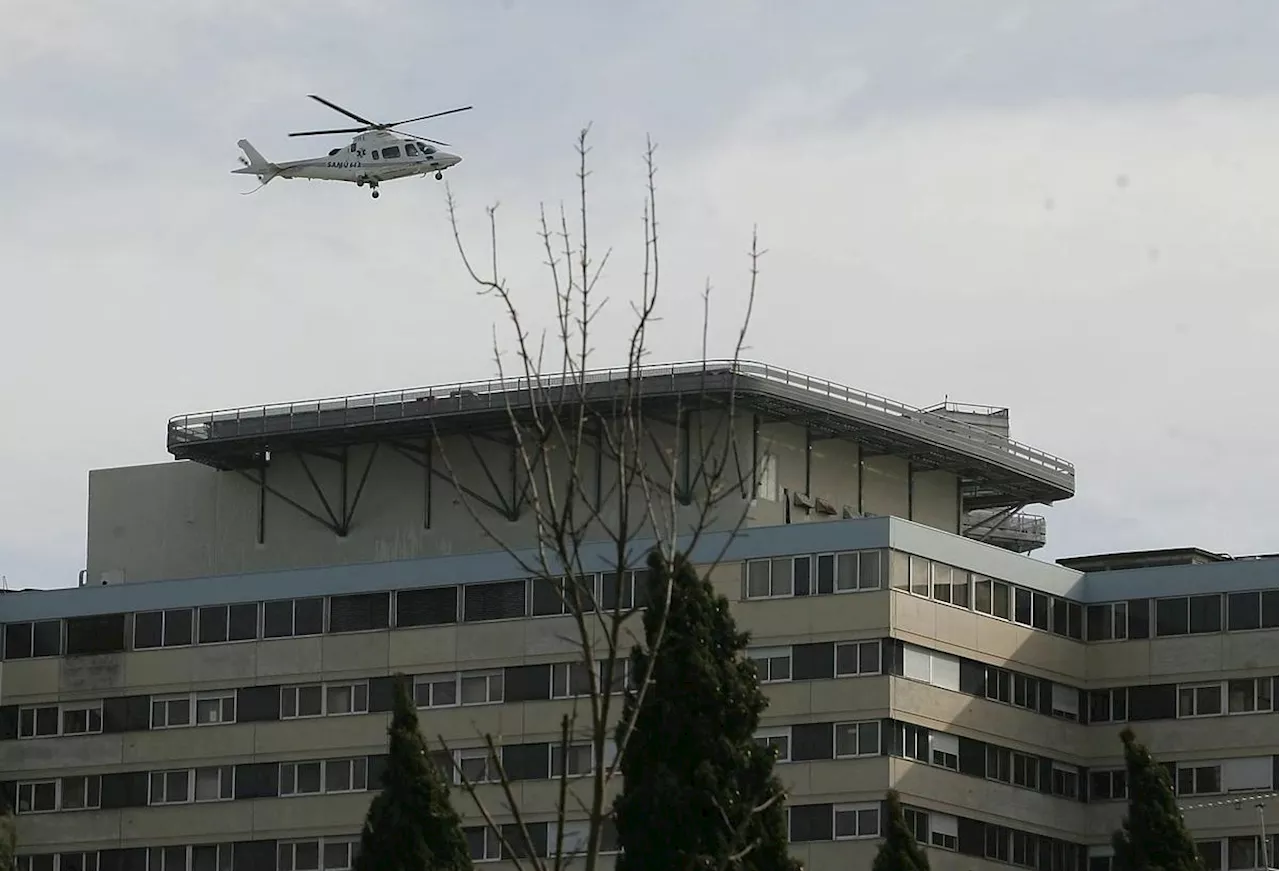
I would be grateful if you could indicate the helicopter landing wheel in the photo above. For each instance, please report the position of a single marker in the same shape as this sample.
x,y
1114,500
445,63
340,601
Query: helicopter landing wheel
x,y
375,193
439,175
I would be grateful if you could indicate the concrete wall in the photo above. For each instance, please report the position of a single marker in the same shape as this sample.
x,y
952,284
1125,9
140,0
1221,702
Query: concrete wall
x,y
184,520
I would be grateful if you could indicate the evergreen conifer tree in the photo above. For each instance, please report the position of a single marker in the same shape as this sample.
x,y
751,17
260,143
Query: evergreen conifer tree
x,y
1152,836
899,851
411,826
697,788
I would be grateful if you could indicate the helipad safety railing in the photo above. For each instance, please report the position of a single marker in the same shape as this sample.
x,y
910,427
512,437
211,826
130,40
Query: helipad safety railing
x,y
488,393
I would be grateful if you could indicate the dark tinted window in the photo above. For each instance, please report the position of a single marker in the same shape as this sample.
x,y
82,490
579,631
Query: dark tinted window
x,y
148,629
546,597
391,152
177,627
494,601
101,633
213,624
430,607
1075,620
17,641
1172,616
1244,611
1000,600
277,619
1040,611
308,616
358,613
1022,606
1060,616
1206,613
242,622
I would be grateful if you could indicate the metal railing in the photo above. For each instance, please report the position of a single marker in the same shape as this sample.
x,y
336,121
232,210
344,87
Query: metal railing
x,y
488,393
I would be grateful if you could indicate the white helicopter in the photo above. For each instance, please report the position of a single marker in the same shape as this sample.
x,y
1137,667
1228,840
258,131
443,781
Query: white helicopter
x,y
375,155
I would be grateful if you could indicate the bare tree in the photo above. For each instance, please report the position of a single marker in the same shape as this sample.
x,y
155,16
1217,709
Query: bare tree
x,y
602,465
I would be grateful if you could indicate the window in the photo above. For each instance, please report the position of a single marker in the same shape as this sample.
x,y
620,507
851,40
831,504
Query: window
x,y
1199,779
771,578
578,757
100,633
570,679
1205,614
981,594
942,582
346,698
1000,600
301,701
857,657
219,623
482,842
1172,616
849,571
215,783
1064,781
1022,606
301,778
1026,771
1251,695
481,688
1200,700
856,821
317,854
87,861
944,751
38,722
1211,854
434,606
476,765
772,663
359,612
1108,784
215,707
346,775
36,797
996,842
857,739
1026,692
1109,622
1040,611
172,628
1065,703
83,792
943,831
1255,610
779,740
203,857
410,150
917,822
1025,849
170,787
28,640
1249,774
920,569
916,663
284,618
914,741
435,690
1247,852
631,592
1109,706
501,601
170,712
619,676
998,685
391,152
82,718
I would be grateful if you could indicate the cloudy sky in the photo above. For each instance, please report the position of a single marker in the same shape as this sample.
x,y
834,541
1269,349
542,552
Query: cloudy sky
x,y
1068,209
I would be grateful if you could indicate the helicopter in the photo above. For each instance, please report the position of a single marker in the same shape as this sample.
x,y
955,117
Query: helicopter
x,y
376,154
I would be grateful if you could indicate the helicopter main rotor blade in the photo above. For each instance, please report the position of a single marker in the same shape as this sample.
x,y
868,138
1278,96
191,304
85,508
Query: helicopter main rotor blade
x,y
424,139
335,107
328,132
425,117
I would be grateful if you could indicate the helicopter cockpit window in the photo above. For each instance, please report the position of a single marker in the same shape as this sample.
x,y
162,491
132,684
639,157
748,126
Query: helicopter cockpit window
x,y
335,151
427,149
374,154
352,148
391,152
410,150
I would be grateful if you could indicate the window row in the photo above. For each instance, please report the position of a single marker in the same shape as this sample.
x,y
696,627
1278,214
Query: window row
x,y
544,760
930,579
989,761
291,618
1169,701
814,741
194,785
1240,853
1184,615
816,661
485,845
314,854
816,574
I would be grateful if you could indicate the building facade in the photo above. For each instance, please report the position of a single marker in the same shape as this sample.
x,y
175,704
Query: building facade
x,y
215,693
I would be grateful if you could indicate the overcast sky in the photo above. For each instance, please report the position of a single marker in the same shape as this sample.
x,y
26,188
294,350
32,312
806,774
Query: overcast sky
x,y
1068,209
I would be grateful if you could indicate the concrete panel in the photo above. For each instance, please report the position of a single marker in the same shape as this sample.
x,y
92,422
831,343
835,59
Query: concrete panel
x,y
164,748
885,487
57,755
1000,802
1250,650
1181,658
290,657
31,680
843,616
418,651
188,823
44,833
357,654
91,675
1229,819
308,815
1118,663
1188,739
321,737
935,500
836,778
178,669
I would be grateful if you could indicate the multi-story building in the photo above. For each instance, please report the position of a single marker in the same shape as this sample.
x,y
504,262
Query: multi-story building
x,y
214,693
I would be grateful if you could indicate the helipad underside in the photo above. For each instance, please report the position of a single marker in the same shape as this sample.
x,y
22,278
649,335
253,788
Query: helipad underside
x,y
995,472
